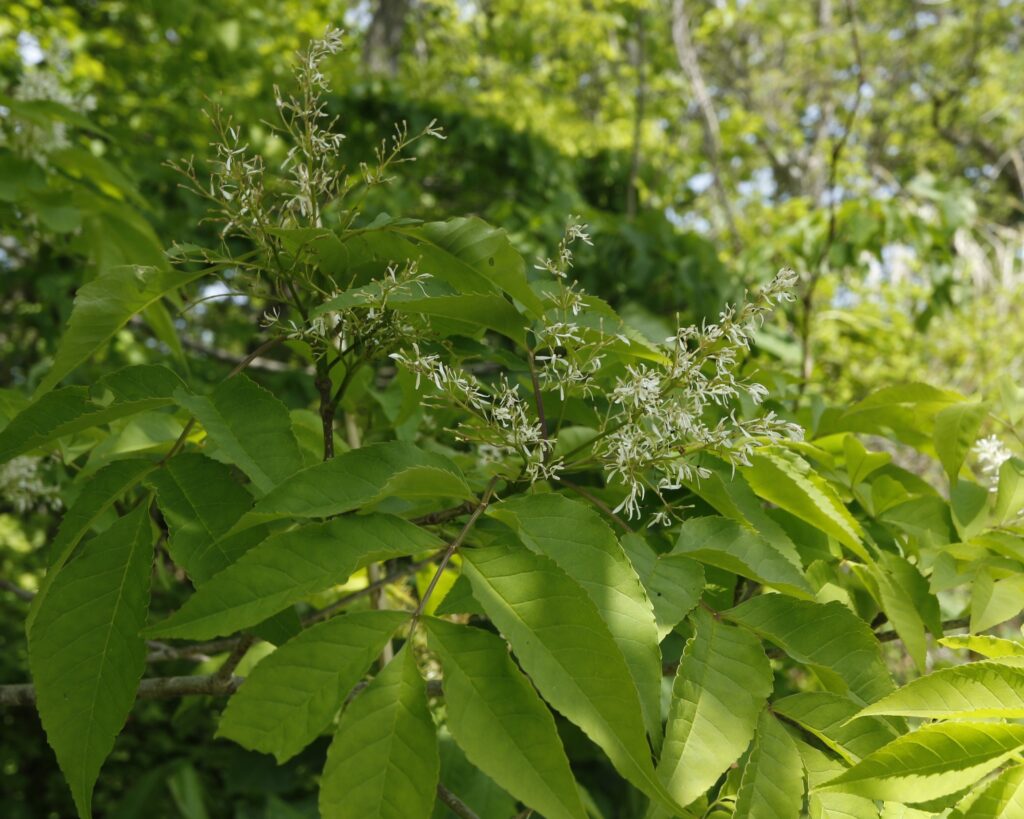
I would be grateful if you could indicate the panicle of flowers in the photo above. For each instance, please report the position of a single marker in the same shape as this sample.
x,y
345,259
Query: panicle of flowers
x,y
992,454
25,488
37,139
569,354
391,152
561,264
357,318
660,415
500,417
312,159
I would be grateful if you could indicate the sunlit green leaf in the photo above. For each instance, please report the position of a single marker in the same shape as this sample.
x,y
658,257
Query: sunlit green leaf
x,y
383,762
519,748
566,648
288,567
291,696
720,687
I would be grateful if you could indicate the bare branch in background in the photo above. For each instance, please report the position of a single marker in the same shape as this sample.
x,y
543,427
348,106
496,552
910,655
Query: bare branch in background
x,y
639,61
687,55
838,146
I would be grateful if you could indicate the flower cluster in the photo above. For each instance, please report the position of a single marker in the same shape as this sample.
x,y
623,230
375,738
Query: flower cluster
x,y
654,417
660,415
992,454
24,488
362,317
561,264
36,139
500,420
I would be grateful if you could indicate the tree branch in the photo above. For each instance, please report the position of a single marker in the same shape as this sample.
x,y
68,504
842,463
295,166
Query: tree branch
x,y
16,590
455,805
947,625
150,688
639,60
814,274
166,688
687,56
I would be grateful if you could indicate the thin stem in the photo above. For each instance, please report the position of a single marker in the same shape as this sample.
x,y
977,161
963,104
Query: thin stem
x,y
239,651
393,577
537,396
453,546
454,804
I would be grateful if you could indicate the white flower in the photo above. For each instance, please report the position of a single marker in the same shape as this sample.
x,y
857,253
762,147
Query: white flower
x,y
992,454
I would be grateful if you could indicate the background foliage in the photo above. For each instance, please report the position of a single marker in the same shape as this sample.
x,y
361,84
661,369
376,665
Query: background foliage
x,y
875,148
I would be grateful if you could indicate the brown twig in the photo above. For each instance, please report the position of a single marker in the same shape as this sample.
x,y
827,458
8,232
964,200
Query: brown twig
x,y
150,688
165,688
387,580
444,515
815,271
947,625
235,657
161,652
454,804
16,590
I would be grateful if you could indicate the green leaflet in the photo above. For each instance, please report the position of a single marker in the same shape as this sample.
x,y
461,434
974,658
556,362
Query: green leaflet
x,y
1010,497
566,648
830,638
459,600
995,601
484,248
956,430
773,778
383,762
986,646
84,650
860,462
584,547
201,501
830,718
673,582
451,313
728,492
729,546
720,688
252,428
935,760
467,254
783,479
981,690
500,723
104,305
351,480
905,411
827,804
72,409
905,597
287,567
97,496
291,696
1002,798
473,787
